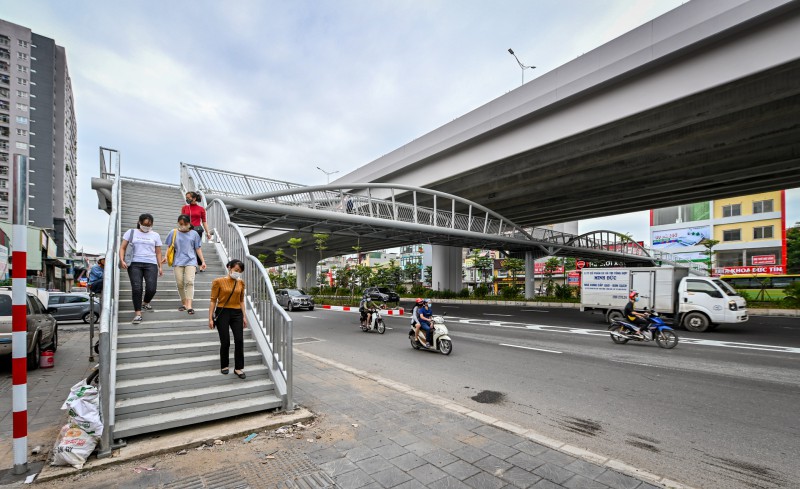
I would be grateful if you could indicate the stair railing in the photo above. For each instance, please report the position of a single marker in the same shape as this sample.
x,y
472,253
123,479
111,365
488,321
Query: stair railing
x,y
110,170
270,324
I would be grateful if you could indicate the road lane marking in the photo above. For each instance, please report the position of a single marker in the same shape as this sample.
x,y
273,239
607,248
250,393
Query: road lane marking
x,y
312,317
451,307
532,310
503,315
530,348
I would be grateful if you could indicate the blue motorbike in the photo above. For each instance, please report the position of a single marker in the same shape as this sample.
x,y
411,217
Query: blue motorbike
x,y
656,330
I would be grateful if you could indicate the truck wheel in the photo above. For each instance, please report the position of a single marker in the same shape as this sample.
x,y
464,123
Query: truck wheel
x,y
613,316
696,322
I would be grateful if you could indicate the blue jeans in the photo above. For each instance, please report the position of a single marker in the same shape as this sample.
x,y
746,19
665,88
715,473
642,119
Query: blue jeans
x,y
426,327
137,271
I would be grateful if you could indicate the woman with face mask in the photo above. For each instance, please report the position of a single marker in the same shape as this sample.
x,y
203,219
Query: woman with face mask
x,y
197,216
184,265
145,263
227,311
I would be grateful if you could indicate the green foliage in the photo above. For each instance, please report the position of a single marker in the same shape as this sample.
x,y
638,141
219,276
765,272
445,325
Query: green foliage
x,y
480,292
400,289
745,294
411,272
320,242
792,295
418,290
563,291
793,250
481,263
464,293
550,267
363,274
428,276
708,244
280,256
513,266
509,292
295,244
316,291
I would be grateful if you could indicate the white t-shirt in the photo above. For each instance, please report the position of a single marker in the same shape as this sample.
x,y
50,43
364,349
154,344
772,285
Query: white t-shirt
x,y
144,245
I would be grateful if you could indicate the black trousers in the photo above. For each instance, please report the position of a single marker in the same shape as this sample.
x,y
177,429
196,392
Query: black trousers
x,y
199,230
136,272
233,320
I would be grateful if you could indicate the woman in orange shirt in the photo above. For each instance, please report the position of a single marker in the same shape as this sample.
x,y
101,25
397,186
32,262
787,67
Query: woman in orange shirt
x,y
227,311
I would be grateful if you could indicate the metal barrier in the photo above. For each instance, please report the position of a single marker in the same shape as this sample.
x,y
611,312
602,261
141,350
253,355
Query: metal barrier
x,y
270,324
108,317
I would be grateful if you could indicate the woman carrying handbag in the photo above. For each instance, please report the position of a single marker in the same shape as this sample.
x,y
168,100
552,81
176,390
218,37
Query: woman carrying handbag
x,y
227,311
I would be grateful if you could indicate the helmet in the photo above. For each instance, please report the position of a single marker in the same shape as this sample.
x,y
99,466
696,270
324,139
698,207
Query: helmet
x,y
428,301
633,295
419,301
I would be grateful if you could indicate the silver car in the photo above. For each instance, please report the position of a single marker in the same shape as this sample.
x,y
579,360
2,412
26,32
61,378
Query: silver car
x,y
42,327
294,299
73,306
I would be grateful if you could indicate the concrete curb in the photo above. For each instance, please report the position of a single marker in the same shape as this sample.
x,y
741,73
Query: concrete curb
x,y
182,438
532,435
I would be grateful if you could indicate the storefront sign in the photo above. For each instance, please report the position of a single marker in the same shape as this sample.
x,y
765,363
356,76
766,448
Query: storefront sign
x,y
766,270
580,264
763,259
574,279
680,238
538,269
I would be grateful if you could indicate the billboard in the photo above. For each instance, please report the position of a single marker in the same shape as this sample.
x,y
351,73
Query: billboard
x,y
679,238
765,270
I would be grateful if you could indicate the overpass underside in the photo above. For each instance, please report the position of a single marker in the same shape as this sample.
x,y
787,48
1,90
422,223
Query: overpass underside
x,y
739,138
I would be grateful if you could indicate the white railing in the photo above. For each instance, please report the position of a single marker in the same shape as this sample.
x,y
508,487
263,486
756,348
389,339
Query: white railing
x,y
108,317
270,324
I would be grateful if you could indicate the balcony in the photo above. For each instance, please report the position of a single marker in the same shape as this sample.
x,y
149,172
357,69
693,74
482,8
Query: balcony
x,y
4,66
5,54
4,106
5,79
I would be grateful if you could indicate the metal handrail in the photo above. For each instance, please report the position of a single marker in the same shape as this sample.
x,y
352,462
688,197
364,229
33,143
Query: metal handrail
x,y
270,324
108,316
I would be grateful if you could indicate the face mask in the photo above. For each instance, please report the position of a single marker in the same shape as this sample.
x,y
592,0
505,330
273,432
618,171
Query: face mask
x,y
145,229
183,229
189,201
636,300
236,275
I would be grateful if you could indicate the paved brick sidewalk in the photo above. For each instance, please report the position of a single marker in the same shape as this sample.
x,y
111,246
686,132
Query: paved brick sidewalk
x,y
47,390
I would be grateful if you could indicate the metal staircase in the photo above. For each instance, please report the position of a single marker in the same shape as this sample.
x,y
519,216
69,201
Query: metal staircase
x,y
165,372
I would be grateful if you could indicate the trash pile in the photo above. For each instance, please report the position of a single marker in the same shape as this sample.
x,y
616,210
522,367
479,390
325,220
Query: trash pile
x,y
78,438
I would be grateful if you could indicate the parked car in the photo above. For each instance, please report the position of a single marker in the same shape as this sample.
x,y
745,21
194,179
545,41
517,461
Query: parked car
x,y
383,294
73,306
42,327
294,299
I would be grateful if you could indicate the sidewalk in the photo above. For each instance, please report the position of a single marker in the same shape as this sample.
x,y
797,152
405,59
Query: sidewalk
x,y
369,433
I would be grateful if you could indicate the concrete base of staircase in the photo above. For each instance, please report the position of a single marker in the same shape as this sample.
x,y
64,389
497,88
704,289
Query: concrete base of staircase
x,y
233,429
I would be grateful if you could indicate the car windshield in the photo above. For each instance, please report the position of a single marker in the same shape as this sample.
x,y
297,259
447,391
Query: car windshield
x,y
725,287
296,292
5,305
383,290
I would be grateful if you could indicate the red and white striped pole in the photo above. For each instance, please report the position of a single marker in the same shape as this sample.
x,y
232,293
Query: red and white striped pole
x,y
19,313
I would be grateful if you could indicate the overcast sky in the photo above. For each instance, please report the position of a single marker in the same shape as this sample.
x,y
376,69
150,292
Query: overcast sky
x,y
278,88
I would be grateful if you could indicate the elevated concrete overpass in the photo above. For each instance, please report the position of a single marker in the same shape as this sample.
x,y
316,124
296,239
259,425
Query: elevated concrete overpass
x,y
700,103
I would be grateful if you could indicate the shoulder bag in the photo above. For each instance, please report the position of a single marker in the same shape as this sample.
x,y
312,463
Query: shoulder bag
x,y
218,309
171,248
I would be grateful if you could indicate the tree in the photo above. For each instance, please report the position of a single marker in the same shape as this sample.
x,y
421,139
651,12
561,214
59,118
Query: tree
x,y
550,267
280,256
481,263
411,272
295,244
363,274
320,241
793,249
513,266
393,273
428,276
709,243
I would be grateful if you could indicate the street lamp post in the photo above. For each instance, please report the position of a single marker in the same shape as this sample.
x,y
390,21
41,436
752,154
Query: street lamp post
x,y
521,66
328,173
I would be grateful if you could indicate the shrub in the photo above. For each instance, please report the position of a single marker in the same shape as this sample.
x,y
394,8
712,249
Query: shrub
x,y
509,293
400,289
464,293
447,294
745,294
562,292
418,290
480,291
792,295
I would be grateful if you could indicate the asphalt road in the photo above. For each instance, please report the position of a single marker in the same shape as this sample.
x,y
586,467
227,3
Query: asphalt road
x,y
719,410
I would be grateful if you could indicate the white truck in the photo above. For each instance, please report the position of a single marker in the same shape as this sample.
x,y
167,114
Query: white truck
x,y
697,303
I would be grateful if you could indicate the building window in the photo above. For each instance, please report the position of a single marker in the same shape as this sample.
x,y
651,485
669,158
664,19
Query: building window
x,y
22,94
22,44
732,235
762,206
22,145
22,81
762,232
22,69
731,210
22,56
22,132
21,120
22,107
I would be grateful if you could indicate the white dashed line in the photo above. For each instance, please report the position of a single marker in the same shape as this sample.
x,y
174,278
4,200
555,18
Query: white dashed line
x,y
530,348
532,310
503,315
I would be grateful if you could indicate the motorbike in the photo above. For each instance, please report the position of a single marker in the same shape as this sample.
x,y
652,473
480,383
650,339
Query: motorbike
x,y
376,324
656,330
441,338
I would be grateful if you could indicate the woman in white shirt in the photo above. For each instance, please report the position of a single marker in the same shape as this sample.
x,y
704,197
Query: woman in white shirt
x,y
145,263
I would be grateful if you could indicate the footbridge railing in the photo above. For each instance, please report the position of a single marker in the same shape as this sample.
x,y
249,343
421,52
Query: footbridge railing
x,y
270,324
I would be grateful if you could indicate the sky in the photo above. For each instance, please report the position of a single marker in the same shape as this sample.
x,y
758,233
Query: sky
x,y
277,89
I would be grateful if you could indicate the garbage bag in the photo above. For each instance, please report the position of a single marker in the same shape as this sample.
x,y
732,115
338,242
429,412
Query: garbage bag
x,y
83,407
73,446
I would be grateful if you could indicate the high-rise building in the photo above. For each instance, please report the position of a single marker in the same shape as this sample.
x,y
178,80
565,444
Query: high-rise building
x,y
37,119
750,231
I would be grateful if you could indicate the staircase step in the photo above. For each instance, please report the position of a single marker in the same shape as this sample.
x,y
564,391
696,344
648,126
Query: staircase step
x,y
151,338
148,423
163,314
179,365
146,353
165,402
160,383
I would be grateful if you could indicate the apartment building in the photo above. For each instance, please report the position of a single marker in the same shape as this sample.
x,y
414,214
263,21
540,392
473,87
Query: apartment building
x,y
37,119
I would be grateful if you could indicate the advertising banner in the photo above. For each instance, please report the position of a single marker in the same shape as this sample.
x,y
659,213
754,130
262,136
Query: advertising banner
x,y
765,270
763,259
679,238
613,283
574,279
538,269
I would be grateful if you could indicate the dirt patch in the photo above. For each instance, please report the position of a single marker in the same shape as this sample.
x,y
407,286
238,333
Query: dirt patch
x,y
489,397
643,445
581,426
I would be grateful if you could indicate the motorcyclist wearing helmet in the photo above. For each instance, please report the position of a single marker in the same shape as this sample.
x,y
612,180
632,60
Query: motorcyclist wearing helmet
x,y
415,317
365,308
426,323
636,319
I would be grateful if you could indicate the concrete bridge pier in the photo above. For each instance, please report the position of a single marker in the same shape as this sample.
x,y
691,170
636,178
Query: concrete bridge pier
x,y
306,267
530,280
447,273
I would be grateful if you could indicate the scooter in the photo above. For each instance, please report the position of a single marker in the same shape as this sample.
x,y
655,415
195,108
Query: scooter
x,y
441,338
621,332
376,324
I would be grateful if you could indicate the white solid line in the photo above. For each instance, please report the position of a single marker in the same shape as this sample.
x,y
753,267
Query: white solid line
x,y
529,348
503,315
312,317
532,310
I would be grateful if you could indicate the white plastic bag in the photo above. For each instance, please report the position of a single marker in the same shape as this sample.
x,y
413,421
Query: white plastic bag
x,y
83,405
73,446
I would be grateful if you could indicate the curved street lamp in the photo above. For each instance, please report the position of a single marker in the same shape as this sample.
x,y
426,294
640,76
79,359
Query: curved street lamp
x,y
522,66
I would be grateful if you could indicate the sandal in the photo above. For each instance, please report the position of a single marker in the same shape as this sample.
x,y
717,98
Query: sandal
x,y
182,308
190,311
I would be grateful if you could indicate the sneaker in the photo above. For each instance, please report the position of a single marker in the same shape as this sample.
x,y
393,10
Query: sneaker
x,y
137,320
147,307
